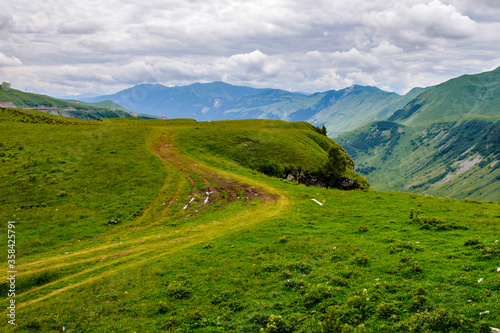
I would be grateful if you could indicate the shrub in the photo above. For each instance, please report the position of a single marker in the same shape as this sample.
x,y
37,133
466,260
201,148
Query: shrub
x,y
178,291
316,295
335,166
162,307
363,228
339,281
387,310
436,321
471,242
360,260
300,267
272,168
276,324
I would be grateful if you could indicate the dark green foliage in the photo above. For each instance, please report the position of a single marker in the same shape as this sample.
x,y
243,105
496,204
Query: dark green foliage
x,y
335,166
178,291
360,260
435,223
276,324
363,228
438,320
387,310
472,242
272,168
321,130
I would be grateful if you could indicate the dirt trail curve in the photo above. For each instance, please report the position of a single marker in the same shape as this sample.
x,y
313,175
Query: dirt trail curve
x,y
94,263
230,189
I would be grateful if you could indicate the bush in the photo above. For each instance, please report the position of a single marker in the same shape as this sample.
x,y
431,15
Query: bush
x,y
335,166
387,310
178,291
436,321
471,242
272,168
363,228
276,324
316,295
162,307
300,267
360,260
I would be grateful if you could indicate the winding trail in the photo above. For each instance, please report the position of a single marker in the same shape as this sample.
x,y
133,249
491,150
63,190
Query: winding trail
x,y
91,264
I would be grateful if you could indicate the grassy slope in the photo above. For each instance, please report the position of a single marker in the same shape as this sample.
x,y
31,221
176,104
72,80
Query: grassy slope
x,y
285,265
22,99
429,159
447,128
466,95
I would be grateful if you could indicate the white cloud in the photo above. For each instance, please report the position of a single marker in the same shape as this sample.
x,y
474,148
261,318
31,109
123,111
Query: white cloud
x,y
9,61
104,46
421,23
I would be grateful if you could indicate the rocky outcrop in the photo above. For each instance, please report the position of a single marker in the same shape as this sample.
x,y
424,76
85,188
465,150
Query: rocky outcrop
x,y
305,178
308,179
349,184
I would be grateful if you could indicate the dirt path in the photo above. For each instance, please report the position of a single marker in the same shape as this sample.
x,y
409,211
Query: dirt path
x,y
101,261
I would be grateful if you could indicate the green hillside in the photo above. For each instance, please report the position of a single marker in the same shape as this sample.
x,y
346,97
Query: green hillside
x,y
79,110
128,225
360,105
444,142
456,159
466,95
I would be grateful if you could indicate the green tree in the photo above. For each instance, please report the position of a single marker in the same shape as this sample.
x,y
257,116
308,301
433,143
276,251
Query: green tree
x,y
335,165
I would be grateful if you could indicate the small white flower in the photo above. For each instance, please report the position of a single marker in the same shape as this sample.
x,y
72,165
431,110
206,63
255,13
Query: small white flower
x,y
480,280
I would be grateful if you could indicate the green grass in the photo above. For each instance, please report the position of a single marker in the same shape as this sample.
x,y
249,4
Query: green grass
x,y
462,96
364,261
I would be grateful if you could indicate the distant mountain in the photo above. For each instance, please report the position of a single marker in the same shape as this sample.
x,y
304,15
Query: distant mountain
x,y
340,111
14,98
104,104
444,142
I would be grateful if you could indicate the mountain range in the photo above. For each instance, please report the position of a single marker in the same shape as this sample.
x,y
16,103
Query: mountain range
x,y
445,142
339,110
440,140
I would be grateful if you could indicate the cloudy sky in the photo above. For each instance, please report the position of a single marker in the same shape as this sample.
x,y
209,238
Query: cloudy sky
x,y
72,47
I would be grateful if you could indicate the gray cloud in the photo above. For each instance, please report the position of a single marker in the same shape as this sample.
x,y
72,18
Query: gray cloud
x,y
95,46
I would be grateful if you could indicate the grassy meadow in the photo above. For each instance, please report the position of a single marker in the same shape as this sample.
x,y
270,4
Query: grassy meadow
x,y
126,225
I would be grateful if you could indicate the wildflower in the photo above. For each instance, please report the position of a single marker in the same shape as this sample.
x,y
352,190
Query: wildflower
x,y
480,280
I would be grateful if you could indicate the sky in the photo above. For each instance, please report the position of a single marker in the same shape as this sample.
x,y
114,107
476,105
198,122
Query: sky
x,y
63,48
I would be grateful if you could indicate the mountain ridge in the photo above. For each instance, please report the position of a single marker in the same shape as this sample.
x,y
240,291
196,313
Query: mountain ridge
x,y
444,142
221,101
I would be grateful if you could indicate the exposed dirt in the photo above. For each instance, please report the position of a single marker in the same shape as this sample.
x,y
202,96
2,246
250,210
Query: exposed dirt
x,y
217,187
